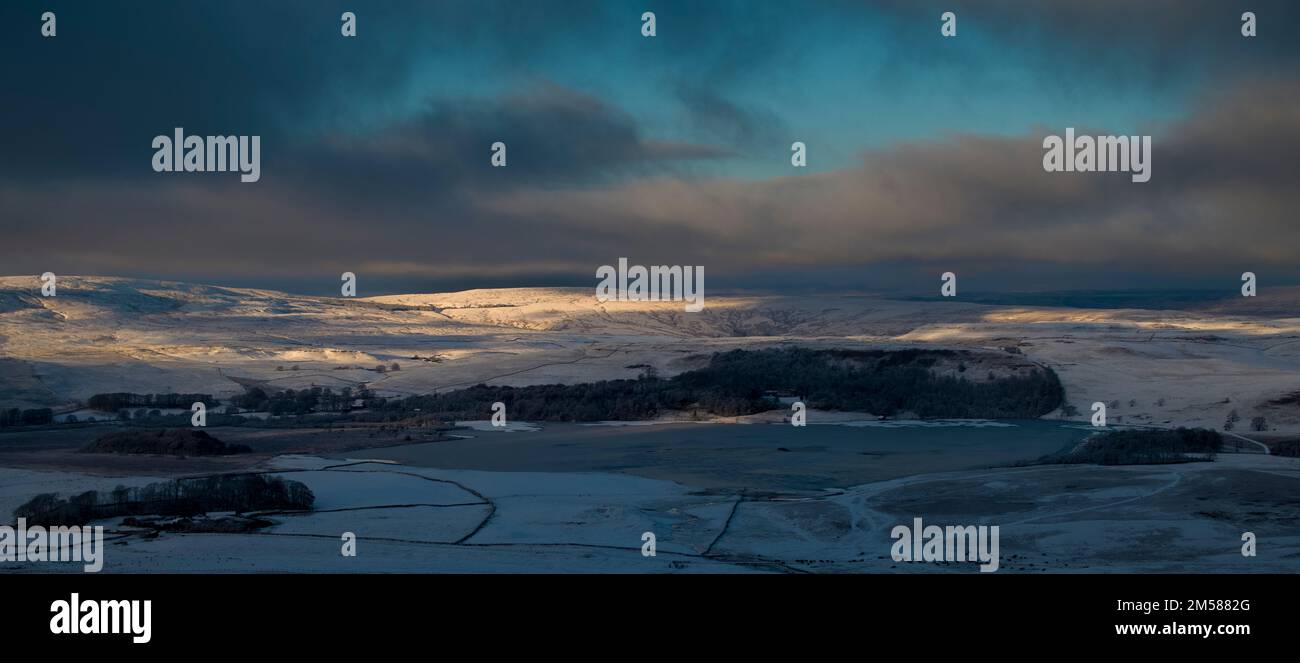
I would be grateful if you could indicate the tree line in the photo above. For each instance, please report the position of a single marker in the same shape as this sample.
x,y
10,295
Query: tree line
x,y
180,497
741,382
113,402
738,382
30,417
1146,447
301,401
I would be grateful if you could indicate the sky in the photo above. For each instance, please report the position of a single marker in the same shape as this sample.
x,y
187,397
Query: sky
x,y
924,153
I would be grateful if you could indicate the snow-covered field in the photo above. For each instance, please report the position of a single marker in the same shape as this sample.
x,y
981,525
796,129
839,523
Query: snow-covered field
x,y
1051,519
1163,367
100,334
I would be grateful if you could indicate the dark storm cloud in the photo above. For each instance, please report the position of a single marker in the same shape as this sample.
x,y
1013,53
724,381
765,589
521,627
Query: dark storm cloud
x,y
381,201
1218,202
554,136
120,73
354,181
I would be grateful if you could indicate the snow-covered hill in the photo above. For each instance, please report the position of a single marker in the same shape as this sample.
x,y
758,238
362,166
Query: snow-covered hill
x,y
101,334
